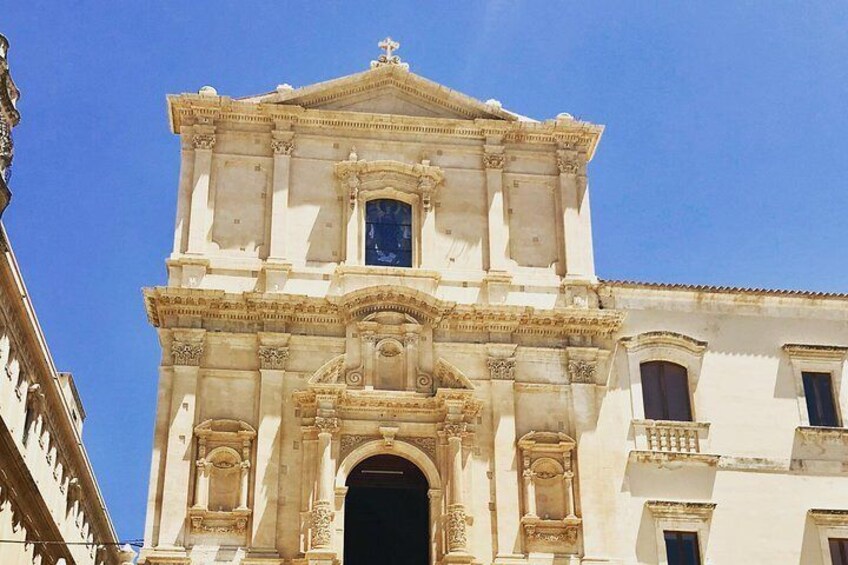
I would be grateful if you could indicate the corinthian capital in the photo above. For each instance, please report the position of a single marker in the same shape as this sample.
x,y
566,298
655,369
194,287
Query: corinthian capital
x,y
455,429
282,146
203,141
271,357
568,164
501,369
186,352
327,425
582,371
493,160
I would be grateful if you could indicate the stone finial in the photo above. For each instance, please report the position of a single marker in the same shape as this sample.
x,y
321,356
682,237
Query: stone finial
x,y
388,58
283,88
207,91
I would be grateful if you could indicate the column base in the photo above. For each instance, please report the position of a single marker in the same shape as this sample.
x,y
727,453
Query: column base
x,y
321,557
458,557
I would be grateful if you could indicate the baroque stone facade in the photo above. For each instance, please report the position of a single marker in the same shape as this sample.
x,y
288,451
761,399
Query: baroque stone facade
x,y
495,360
51,509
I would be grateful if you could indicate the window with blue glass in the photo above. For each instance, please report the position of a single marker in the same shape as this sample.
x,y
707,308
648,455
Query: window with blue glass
x,y
388,233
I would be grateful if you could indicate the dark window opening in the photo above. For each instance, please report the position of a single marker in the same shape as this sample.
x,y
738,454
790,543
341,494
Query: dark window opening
x,y
682,548
388,233
821,403
838,550
28,423
386,513
665,391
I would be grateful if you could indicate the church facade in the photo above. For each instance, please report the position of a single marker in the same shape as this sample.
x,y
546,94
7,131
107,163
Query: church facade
x,y
384,341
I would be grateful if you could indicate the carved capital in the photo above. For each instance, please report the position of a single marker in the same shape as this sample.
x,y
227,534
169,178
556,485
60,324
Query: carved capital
x,y
351,182
327,425
581,371
322,521
186,353
493,160
455,430
501,369
426,186
457,528
568,165
282,146
271,357
203,141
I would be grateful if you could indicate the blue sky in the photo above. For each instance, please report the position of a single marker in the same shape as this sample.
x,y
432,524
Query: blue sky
x,y
723,162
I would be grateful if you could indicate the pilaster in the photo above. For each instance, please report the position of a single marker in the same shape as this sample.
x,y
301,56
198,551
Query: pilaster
x,y
282,143
498,236
200,219
272,354
574,216
501,364
186,352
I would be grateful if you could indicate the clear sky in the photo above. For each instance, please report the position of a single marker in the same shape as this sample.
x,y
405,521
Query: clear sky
x,y
723,162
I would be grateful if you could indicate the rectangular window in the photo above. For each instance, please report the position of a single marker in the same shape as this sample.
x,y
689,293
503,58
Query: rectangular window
x,y
839,550
821,404
665,391
682,548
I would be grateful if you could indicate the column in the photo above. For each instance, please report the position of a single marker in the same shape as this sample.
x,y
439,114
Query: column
x,y
352,244
283,145
322,510
245,476
200,216
411,342
568,479
435,498
529,489
201,485
185,188
456,519
186,350
493,160
573,211
502,374
273,355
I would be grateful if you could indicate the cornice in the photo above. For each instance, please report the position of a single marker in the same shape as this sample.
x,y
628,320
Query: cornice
x,y
188,109
808,352
257,308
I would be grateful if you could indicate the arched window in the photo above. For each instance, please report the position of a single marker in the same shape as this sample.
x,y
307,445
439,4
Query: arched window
x,y
665,391
388,233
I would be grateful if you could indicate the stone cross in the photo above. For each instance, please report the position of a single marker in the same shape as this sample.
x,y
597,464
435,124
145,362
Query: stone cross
x,y
389,45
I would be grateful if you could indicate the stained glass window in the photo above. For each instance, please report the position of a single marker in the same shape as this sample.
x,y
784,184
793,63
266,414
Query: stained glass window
x,y
388,233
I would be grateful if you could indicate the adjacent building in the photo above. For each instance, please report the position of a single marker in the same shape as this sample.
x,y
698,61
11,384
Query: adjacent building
x,y
51,509
384,341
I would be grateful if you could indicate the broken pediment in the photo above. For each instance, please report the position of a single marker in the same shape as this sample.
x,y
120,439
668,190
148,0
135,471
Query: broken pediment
x,y
389,89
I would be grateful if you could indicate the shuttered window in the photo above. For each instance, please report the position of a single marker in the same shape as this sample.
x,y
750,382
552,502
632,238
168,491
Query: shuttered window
x,y
665,391
821,405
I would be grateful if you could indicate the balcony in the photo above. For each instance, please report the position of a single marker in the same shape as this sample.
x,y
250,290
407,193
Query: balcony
x,y
671,443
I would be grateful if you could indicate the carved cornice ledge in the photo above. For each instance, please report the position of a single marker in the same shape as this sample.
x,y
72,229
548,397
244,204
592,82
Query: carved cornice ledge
x,y
698,511
808,352
828,516
359,176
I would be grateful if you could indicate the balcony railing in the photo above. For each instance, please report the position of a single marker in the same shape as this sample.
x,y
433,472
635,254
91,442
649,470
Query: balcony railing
x,y
670,436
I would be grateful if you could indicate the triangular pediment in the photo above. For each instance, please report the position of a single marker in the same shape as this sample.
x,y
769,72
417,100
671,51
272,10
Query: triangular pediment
x,y
387,90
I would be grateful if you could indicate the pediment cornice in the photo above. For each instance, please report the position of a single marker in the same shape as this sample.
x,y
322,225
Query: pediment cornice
x,y
250,311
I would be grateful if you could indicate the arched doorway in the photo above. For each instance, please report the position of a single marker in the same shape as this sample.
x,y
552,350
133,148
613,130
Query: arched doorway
x,y
386,513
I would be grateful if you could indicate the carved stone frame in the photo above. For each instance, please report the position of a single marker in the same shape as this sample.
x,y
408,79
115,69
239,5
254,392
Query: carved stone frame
x,y
680,517
820,359
830,524
662,346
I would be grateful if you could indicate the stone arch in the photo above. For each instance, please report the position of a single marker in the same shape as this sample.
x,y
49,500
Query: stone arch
x,y
399,448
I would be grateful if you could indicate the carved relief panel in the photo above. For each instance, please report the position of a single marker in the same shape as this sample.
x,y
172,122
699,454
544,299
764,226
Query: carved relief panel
x,y
389,354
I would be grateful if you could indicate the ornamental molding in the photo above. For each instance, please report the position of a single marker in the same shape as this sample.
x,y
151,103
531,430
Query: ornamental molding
x,y
321,524
457,522
501,369
357,177
654,339
273,357
552,442
552,532
250,311
829,516
232,522
825,353
448,376
667,509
